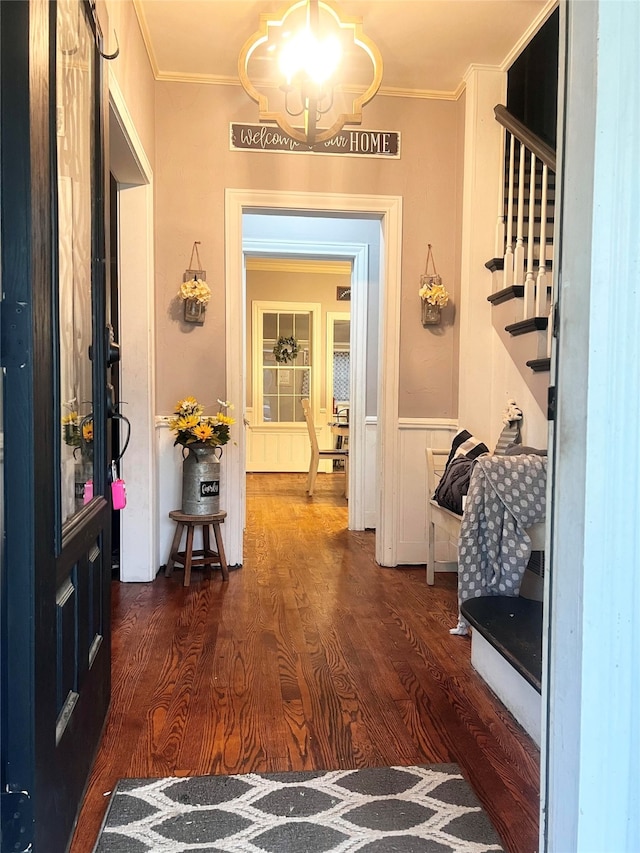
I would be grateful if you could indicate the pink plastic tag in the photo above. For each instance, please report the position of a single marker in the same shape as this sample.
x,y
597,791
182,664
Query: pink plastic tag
x,y
119,494
87,495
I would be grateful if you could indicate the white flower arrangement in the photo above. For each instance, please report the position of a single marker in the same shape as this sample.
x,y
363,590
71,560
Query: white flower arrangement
x,y
433,291
196,288
512,413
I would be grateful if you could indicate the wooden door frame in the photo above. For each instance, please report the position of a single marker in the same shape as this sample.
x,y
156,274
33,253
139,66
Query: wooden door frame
x,y
139,524
389,209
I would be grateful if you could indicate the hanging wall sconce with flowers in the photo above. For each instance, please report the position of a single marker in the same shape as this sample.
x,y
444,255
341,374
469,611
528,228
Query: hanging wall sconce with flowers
x,y
194,290
433,294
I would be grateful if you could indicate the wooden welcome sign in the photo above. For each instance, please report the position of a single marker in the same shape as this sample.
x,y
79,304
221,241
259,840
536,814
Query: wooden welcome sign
x,y
352,143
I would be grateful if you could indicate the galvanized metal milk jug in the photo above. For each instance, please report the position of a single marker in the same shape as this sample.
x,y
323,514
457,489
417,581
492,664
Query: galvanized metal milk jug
x,y
201,480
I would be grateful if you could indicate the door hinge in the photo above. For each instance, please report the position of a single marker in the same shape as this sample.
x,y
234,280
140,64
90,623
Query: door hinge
x,y
14,334
17,821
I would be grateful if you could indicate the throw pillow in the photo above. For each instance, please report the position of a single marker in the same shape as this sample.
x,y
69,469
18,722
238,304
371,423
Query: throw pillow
x,y
465,444
454,484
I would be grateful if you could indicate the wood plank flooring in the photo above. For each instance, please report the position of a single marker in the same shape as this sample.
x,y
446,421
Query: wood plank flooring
x,y
311,657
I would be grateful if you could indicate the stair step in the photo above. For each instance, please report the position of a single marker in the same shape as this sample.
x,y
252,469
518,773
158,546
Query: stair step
x,y
539,365
533,324
497,264
513,626
515,291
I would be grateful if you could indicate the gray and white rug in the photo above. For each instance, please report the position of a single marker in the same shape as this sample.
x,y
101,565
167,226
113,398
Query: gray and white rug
x,y
427,809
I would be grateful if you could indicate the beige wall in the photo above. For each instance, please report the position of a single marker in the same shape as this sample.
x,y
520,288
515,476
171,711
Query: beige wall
x,y
132,70
266,285
194,166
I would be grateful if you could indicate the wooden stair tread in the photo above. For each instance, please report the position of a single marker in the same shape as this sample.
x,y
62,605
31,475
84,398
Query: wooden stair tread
x,y
513,626
539,365
533,324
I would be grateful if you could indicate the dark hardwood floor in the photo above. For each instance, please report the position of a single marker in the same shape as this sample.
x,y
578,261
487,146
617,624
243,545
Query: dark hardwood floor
x,y
311,657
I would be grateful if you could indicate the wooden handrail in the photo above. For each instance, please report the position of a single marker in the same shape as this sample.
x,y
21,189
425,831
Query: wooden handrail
x,y
542,151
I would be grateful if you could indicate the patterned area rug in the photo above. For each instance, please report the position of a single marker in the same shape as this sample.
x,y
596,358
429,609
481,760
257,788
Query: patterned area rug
x,y
378,810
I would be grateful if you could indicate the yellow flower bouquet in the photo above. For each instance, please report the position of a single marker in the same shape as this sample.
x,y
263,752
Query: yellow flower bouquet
x,y
433,291
192,426
76,430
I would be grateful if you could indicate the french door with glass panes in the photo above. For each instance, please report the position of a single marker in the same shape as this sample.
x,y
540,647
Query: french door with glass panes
x,y
278,439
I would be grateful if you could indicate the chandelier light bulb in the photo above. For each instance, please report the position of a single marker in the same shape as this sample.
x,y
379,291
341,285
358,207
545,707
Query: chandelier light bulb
x,y
305,53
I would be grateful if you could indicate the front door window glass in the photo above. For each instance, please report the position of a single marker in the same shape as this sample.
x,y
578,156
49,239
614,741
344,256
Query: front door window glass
x,y
75,158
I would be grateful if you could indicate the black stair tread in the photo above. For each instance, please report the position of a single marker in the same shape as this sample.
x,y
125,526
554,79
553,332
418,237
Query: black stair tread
x,y
539,365
515,291
513,626
533,324
497,264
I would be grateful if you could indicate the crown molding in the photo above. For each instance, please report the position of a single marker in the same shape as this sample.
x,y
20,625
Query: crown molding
x,y
529,33
205,79
384,91
299,265
146,37
423,94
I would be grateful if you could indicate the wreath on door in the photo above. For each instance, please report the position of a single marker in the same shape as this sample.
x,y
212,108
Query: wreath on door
x,y
285,350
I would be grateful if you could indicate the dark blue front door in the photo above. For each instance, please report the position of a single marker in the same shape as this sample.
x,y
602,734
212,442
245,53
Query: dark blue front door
x,y
55,638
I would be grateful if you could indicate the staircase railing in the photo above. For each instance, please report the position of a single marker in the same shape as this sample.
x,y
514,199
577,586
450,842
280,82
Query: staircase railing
x,y
524,230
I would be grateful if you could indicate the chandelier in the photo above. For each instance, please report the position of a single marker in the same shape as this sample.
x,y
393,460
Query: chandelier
x,y
310,71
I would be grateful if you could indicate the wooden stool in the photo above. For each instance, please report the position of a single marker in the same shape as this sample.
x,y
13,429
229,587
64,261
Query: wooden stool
x,y
189,557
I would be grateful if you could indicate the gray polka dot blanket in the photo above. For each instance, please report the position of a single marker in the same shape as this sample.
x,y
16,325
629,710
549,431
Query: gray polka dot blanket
x,y
506,496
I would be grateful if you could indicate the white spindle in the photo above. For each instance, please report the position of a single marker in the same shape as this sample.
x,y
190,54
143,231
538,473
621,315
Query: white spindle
x,y
507,280
529,282
518,257
498,251
541,283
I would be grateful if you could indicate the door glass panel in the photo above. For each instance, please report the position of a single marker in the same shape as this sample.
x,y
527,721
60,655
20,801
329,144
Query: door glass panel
x,y
270,408
270,327
285,326
302,328
75,158
285,384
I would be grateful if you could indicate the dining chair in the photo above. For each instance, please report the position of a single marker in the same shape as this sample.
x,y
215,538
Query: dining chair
x,y
317,454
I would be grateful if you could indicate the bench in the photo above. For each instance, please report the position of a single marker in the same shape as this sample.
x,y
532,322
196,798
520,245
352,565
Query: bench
x,y
448,521
506,643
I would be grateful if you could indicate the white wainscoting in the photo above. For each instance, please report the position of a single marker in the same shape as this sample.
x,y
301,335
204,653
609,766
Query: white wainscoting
x,y
414,436
370,496
282,447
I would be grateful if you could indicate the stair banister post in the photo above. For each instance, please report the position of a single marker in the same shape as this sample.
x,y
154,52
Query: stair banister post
x,y
518,258
508,255
529,283
498,251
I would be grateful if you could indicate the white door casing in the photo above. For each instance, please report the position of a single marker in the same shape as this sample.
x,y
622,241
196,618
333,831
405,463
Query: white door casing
x,y
389,208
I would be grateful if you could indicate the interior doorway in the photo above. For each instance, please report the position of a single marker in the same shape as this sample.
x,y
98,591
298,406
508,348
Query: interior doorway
x,y
384,214
364,273
289,300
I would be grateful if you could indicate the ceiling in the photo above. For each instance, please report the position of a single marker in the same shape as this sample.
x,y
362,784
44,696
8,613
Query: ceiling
x,y
426,45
